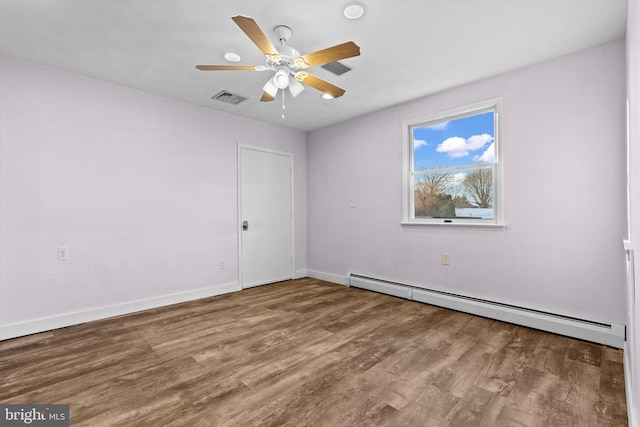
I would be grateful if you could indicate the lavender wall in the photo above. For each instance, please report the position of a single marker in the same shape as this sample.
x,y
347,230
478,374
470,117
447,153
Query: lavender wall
x,y
564,163
142,189
632,360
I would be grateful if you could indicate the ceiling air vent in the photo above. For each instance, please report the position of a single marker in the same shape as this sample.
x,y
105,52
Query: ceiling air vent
x,y
336,68
228,97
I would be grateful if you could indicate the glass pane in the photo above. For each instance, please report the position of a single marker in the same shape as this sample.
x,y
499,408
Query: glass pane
x,y
460,142
459,194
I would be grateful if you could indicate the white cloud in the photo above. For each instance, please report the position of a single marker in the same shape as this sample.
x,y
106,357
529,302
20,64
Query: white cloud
x,y
440,126
417,143
489,155
456,146
478,141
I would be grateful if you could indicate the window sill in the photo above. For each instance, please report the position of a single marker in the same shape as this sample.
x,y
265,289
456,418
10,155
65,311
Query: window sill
x,y
454,225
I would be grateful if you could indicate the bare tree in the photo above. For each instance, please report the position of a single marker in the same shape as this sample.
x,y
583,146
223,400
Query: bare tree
x,y
479,185
431,198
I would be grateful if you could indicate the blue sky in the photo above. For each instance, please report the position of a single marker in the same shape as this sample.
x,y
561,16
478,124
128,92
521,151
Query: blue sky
x,y
456,143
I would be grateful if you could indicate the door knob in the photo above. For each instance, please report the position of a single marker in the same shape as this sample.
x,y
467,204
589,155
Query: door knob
x,y
245,225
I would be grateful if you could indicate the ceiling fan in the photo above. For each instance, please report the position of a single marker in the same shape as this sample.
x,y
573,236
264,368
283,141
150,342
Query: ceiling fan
x,y
286,62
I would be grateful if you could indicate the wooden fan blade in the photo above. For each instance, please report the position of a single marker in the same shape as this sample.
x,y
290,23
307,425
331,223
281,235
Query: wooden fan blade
x,y
253,31
335,53
266,97
322,85
225,67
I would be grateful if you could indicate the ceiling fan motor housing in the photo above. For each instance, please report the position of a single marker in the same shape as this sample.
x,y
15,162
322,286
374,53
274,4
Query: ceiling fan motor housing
x,y
287,57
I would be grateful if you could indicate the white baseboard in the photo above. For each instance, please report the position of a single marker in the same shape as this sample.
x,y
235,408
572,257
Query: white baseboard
x,y
69,319
611,334
327,277
299,274
632,405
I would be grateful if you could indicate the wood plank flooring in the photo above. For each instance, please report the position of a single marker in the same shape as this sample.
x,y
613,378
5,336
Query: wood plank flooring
x,y
311,353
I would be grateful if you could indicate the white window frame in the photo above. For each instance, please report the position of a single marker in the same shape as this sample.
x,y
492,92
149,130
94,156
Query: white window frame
x,y
408,207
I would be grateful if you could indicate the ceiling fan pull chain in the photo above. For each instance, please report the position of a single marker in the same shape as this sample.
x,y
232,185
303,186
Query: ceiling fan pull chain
x,y
283,107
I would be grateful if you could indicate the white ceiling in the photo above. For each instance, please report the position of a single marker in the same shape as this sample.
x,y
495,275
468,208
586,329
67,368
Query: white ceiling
x,y
409,48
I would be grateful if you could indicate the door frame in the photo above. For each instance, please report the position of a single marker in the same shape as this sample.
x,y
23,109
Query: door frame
x,y
291,192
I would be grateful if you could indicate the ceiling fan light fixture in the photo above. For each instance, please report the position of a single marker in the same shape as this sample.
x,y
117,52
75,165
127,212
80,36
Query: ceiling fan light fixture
x,y
232,57
270,88
295,87
354,10
327,96
281,79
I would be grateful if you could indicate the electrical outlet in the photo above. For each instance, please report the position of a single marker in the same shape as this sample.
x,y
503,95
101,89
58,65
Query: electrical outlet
x,y
446,259
63,253
221,264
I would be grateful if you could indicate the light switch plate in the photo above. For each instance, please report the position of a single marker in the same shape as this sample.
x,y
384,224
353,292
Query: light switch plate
x,y
63,253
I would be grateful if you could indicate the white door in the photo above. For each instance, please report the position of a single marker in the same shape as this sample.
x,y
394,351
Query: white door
x,y
265,186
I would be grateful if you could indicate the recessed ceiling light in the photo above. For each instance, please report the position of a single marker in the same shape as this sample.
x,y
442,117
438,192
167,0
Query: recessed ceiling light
x,y
231,57
354,10
327,96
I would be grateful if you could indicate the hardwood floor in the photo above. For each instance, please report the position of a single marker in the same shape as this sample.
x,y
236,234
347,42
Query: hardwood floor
x,y
311,353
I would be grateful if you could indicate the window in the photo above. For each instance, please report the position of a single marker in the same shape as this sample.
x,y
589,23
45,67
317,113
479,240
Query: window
x,y
452,173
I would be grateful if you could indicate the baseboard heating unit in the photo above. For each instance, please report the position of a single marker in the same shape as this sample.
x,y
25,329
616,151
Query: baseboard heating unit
x,y
603,333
